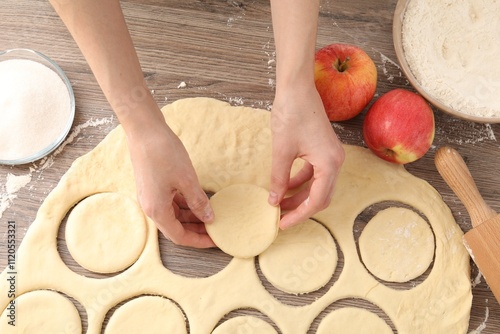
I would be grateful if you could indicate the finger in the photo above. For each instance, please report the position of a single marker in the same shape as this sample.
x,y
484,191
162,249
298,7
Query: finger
x,y
197,201
174,231
191,238
182,211
302,176
195,227
292,202
319,198
180,200
187,216
280,177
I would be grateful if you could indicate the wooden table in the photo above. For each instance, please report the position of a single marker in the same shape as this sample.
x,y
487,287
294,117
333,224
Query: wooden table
x,y
225,50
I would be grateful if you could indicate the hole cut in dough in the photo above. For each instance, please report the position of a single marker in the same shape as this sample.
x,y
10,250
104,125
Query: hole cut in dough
x,y
353,320
302,259
41,311
245,223
397,245
175,258
106,232
245,324
147,314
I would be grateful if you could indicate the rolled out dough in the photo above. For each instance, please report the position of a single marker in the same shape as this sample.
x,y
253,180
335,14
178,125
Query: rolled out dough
x,y
147,314
397,245
245,223
352,320
106,232
302,259
232,145
41,312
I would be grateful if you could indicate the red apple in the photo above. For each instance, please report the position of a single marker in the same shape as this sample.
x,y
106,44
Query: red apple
x,y
346,79
399,126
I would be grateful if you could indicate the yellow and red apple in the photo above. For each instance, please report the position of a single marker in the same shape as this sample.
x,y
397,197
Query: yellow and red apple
x,y
399,126
346,80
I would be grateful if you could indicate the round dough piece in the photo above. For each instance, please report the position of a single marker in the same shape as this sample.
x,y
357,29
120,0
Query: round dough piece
x,y
106,233
41,311
147,314
352,320
245,223
245,324
397,245
302,259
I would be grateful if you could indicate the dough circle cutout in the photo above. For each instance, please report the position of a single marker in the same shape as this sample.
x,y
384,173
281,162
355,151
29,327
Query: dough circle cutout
x,y
302,259
397,245
147,314
245,324
106,232
41,311
245,223
353,320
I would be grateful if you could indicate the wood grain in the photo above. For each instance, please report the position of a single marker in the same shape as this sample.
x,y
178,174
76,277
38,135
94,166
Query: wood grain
x,y
225,50
454,171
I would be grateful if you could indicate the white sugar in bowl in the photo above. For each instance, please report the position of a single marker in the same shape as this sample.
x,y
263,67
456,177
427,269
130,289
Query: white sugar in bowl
x,y
37,106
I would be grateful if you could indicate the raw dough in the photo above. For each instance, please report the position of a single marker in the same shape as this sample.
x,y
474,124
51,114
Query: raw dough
x,y
447,44
244,324
106,233
41,312
352,320
245,223
147,314
231,145
302,259
397,245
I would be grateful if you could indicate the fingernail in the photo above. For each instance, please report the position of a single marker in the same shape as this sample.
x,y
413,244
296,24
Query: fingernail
x,y
209,215
273,198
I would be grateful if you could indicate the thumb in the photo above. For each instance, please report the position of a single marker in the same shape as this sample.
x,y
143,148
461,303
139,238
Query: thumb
x,y
198,203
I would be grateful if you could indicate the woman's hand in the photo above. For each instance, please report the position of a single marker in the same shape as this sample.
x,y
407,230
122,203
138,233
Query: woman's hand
x,y
301,129
167,186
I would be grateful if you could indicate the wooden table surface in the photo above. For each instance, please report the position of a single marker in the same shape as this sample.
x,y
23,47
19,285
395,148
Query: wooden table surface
x,y
225,50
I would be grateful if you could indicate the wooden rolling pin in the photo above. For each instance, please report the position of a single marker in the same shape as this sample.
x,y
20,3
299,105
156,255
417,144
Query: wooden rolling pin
x,y
483,240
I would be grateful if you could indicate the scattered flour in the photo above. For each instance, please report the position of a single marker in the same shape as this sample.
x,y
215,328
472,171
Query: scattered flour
x,y
232,20
473,133
477,280
386,60
236,100
49,160
270,63
482,326
12,186
15,183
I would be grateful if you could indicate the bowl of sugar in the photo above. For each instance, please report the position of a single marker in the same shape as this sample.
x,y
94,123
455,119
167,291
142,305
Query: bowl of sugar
x,y
37,106
448,51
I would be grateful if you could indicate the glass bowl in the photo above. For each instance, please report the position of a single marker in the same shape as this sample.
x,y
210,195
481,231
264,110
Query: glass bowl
x,y
397,31
27,54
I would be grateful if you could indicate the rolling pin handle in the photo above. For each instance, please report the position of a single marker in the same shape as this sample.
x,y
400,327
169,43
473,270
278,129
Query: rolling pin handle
x,y
454,171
